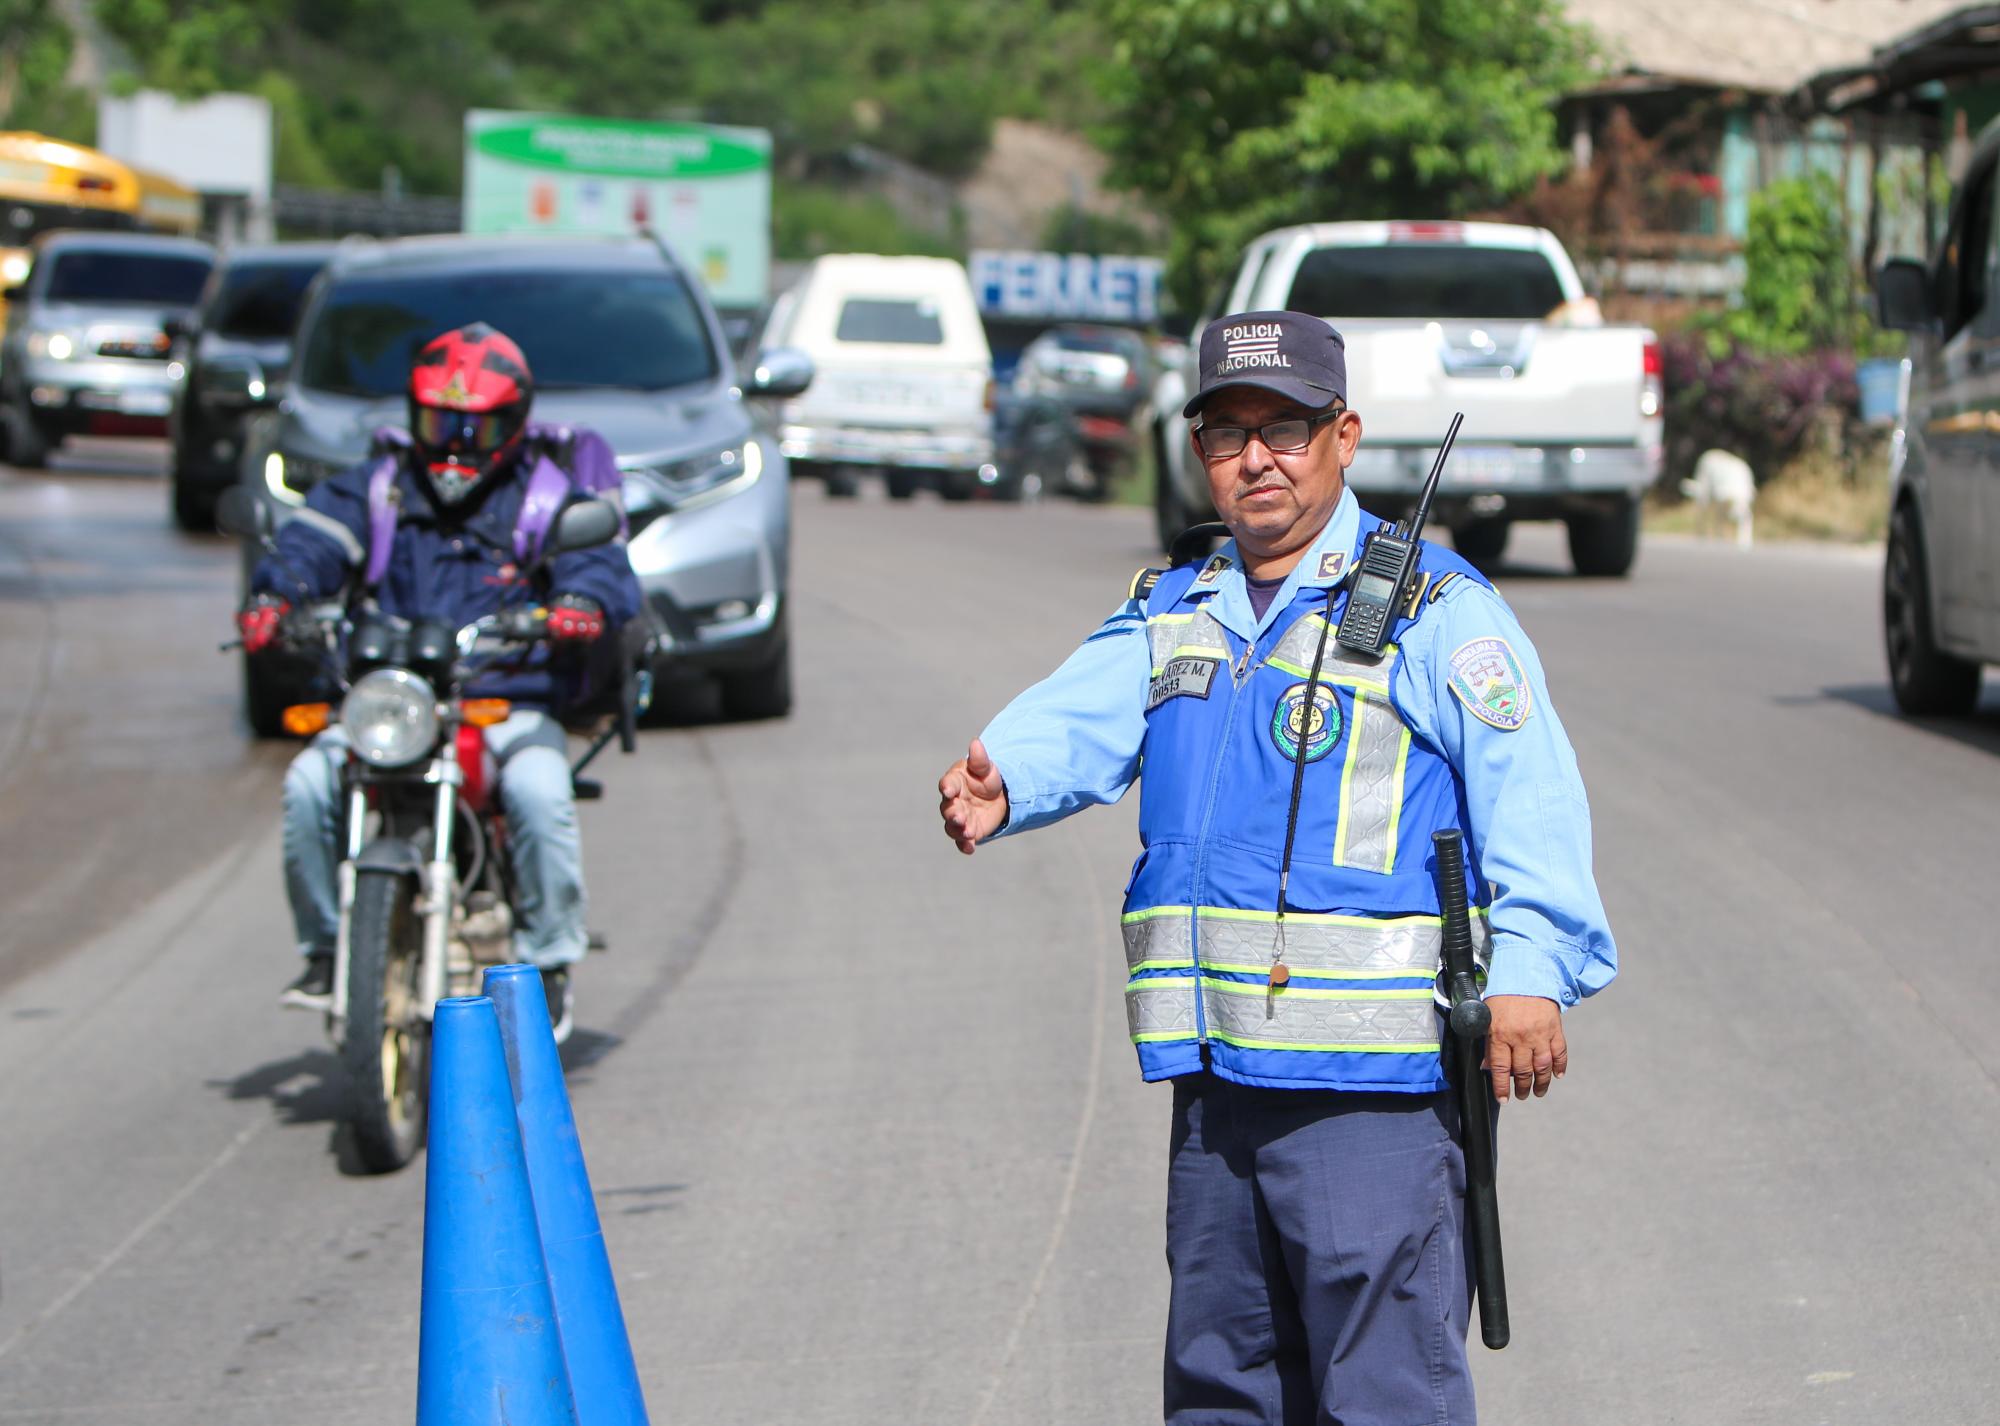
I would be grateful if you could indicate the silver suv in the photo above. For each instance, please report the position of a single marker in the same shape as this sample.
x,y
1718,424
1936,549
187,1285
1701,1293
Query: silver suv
x,y
620,339
1941,579
88,349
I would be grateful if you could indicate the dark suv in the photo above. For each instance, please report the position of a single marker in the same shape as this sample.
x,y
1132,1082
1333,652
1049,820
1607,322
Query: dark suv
x,y
235,350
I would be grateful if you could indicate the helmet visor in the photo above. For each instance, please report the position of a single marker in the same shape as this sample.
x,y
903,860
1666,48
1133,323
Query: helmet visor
x,y
474,434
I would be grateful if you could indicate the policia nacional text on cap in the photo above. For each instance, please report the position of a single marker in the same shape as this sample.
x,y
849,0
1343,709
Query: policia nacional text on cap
x,y
1282,929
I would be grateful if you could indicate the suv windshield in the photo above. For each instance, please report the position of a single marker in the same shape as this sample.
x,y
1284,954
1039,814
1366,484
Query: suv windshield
x,y
577,328
259,301
1441,280
898,321
142,279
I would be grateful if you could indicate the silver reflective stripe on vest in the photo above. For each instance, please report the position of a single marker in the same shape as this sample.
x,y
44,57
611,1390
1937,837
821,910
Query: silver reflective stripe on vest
x,y
1259,1017
1186,634
1353,947
1160,1009
1371,786
1294,654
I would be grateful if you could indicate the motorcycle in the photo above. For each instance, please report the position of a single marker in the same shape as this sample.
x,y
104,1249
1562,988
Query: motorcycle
x,y
425,883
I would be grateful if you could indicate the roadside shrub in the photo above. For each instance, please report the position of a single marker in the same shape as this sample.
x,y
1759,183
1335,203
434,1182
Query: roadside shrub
x,y
1768,408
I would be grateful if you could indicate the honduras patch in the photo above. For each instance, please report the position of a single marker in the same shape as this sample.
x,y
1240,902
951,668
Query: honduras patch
x,y
1487,678
1291,721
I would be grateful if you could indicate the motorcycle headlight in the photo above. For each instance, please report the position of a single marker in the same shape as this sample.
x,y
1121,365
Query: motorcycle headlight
x,y
390,717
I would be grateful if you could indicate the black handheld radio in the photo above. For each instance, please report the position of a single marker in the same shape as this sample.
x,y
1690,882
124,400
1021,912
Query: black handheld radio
x,y
1388,564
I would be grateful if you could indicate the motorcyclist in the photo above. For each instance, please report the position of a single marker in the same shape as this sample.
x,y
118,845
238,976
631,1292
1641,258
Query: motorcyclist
x,y
461,477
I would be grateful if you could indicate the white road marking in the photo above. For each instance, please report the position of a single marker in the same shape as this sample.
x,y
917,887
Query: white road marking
x,y
137,1236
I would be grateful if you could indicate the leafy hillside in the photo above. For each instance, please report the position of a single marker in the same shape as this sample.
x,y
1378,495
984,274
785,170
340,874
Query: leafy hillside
x,y
360,84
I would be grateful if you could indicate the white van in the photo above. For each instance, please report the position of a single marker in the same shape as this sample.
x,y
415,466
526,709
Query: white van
x,y
905,380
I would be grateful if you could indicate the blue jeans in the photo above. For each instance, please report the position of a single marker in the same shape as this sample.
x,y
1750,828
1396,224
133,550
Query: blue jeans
x,y
544,841
1321,1274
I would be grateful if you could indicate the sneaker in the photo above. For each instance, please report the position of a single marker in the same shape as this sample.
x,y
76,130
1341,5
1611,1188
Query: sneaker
x,y
555,985
313,990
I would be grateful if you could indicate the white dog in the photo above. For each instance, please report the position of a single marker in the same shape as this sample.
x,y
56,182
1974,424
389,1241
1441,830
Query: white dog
x,y
1722,487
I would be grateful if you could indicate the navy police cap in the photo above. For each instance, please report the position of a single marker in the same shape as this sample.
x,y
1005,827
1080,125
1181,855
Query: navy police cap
x,y
1290,353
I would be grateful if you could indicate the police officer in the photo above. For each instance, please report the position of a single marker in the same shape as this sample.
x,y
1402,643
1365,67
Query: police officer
x,y
1283,945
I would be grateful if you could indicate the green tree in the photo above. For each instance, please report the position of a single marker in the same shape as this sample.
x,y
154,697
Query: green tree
x,y
1235,116
35,49
1798,292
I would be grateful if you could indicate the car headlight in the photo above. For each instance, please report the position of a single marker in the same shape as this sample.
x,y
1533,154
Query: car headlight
x,y
56,346
666,486
288,478
390,717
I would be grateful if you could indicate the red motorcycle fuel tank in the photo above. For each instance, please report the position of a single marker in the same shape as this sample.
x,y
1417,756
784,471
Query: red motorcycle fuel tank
x,y
477,766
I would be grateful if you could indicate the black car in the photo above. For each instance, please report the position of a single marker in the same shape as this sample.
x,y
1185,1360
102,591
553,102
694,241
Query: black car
x,y
235,349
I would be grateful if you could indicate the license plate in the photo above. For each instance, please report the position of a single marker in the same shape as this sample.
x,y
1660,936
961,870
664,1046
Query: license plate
x,y
145,403
1483,463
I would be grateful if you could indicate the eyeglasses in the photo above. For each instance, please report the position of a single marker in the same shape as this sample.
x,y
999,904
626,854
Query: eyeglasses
x,y
1286,437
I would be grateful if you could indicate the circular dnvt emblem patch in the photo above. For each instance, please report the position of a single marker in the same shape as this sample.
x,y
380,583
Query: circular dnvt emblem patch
x,y
1291,721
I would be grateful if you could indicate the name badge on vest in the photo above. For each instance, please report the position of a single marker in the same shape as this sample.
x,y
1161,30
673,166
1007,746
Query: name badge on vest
x,y
1183,677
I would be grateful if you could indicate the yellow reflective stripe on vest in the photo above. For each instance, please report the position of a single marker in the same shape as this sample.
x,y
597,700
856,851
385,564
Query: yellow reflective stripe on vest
x,y
1284,1018
1354,947
1371,786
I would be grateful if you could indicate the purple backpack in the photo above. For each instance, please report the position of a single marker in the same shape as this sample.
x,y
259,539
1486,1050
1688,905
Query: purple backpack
x,y
563,459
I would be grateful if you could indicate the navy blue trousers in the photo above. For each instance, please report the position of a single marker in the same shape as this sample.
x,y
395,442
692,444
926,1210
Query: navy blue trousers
x,y
1321,1275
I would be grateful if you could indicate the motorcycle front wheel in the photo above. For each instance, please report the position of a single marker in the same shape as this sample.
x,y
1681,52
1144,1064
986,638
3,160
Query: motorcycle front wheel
x,y
386,1043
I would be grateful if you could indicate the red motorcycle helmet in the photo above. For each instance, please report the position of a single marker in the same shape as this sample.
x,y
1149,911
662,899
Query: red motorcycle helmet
x,y
469,396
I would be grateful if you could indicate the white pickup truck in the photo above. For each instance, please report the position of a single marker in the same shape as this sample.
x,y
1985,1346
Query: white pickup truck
x,y
1562,412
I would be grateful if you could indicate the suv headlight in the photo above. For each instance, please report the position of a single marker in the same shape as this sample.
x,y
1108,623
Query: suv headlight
x,y
288,478
390,717
667,486
56,346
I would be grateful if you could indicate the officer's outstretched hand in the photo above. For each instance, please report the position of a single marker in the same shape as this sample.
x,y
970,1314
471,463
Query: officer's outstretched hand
x,y
1525,1048
972,799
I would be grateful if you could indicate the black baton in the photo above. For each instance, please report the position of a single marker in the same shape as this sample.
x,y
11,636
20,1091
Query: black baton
x,y
1469,1021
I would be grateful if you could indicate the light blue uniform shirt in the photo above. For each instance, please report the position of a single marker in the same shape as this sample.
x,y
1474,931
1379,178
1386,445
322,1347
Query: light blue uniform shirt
x,y
1076,737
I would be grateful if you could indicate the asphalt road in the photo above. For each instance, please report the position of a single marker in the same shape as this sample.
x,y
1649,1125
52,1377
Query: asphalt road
x,y
869,1143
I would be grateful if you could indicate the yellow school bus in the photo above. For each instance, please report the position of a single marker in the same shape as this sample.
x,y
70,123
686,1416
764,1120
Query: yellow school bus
x,y
47,184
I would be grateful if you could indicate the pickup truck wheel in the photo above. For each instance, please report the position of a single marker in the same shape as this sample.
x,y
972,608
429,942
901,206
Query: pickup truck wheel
x,y
1924,679
1603,545
958,485
1481,542
902,483
194,508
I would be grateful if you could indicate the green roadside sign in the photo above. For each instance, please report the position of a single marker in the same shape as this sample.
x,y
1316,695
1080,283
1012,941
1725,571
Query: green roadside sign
x,y
705,188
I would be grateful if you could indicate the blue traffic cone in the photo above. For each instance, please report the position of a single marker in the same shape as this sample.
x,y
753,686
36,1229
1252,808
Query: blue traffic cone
x,y
490,1350
599,1351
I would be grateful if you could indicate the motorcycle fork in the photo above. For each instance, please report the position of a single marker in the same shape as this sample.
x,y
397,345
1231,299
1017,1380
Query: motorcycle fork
x,y
441,878
357,831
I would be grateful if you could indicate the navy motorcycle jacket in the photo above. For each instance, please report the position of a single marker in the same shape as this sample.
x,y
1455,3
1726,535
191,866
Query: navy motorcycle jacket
x,y
455,568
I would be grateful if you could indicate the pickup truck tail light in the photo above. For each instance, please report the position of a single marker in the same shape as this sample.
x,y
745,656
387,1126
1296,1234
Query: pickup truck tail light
x,y
992,390
1652,386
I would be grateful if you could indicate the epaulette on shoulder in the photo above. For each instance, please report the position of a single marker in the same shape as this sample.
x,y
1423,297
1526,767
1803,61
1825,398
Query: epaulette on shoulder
x,y
1143,582
1440,584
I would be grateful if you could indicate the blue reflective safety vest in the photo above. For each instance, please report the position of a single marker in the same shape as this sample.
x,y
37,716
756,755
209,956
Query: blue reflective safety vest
x,y
1361,934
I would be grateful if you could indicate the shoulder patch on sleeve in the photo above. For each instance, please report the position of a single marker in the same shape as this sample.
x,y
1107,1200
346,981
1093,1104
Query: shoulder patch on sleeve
x,y
1487,677
1143,582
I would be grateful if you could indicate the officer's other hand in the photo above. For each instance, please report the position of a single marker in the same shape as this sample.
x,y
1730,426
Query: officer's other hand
x,y
972,799
1525,1049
